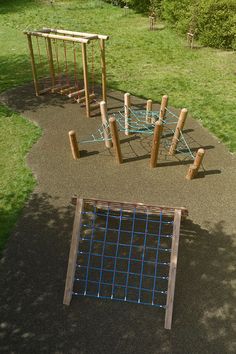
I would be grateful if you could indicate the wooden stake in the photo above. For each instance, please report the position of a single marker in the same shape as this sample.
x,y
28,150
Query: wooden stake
x,y
115,139
193,169
73,253
105,124
74,145
163,107
36,87
86,85
51,65
127,100
148,110
172,269
156,143
178,130
103,64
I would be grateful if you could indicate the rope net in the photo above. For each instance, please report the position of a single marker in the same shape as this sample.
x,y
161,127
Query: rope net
x,y
143,122
124,256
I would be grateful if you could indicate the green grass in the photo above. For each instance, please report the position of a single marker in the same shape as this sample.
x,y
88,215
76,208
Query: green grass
x,y
17,136
144,63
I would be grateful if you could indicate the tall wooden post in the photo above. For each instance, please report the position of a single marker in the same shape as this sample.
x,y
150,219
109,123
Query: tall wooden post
x,y
74,145
164,103
36,87
127,100
103,64
179,128
115,139
193,169
156,143
51,65
86,84
105,124
148,110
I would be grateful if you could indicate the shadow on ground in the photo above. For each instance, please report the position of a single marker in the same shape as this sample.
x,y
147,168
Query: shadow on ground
x,y
33,270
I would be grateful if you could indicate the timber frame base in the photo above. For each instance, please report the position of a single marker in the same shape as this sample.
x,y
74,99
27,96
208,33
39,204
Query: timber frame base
x,y
124,251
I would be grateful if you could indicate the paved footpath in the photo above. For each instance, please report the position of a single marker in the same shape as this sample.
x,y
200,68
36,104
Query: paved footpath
x,y
33,268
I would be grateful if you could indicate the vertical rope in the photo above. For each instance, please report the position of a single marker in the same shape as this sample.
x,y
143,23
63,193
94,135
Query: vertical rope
x,y
92,69
66,64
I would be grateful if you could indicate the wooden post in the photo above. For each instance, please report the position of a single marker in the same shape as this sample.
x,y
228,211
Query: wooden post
x,y
172,269
115,139
50,58
73,253
127,100
103,63
156,143
148,110
179,128
85,71
74,145
193,169
105,124
163,107
36,87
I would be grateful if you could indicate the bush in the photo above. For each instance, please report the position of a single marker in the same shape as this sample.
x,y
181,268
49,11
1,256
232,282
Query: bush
x,y
212,21
217,23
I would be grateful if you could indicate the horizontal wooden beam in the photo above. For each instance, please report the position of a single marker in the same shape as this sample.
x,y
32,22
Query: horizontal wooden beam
x,y
56,36
129,207
80,34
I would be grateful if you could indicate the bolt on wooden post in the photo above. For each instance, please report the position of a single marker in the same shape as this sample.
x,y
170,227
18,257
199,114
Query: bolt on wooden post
x,y
115,139
127,100
105,124
156,143
148,110
193,169
74,145
178,130
164,103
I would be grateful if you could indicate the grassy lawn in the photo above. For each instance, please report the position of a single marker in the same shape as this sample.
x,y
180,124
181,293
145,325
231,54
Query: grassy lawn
x,y
147,64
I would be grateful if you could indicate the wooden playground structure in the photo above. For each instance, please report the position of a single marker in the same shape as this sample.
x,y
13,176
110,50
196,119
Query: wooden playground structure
x,y
150,122
63,51
110,260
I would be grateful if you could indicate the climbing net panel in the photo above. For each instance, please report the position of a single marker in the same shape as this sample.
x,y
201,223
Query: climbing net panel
x,y
124,252
141,122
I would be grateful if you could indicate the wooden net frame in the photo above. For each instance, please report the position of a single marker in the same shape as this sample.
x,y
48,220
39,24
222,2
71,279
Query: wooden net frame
x,y
125,252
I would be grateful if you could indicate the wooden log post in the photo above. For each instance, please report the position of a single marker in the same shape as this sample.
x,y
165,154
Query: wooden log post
x,y
127,101
164,103
86,84
105,124
178,130
193,168
172,270
156,143
73,253
148,110
74,145
34,72
115,139
51,64
103,64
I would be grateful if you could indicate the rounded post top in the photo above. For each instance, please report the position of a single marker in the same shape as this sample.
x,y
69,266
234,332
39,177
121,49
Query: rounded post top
x,y
127,94
112,119
184,110
71,132
201,151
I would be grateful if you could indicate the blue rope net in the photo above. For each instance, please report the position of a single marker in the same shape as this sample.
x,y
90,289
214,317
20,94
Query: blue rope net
x,y
124,256
137,124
